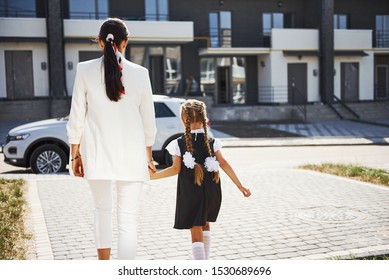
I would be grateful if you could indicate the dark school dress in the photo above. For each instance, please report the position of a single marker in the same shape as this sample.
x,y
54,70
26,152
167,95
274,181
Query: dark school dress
x,y
196,205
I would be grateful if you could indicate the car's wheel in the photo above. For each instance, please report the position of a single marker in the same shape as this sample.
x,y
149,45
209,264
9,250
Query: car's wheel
x,y
48,159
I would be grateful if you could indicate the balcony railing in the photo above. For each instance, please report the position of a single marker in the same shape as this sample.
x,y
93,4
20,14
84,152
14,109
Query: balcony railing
x,y
7,11
381,92
272,94
382,39
86,15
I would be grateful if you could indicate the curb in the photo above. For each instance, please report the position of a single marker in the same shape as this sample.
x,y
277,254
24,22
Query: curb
x,y
299,141
41,235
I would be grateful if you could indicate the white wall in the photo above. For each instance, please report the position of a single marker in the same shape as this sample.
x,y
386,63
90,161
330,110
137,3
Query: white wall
x,y
71,55
39,55
23,27
353,39
295,39
279,74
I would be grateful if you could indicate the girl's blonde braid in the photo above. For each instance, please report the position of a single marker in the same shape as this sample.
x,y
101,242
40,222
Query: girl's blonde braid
x,y
204,121
189,114
216,177
188,135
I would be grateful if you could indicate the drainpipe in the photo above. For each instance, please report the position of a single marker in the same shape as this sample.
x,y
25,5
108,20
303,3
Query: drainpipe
x,y
326,43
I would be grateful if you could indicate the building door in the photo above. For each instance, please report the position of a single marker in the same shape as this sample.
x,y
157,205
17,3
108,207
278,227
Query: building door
x,y
349,82
19,74
297,83
156,71
223,85
382,82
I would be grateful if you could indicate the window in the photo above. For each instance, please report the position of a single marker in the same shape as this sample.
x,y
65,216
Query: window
x,y
162,111
17,8
157,10
88,9
220,29
164,64
382,31
340,22
224,78
270,21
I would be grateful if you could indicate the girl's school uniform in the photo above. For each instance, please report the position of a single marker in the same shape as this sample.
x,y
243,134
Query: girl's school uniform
x,y
196,205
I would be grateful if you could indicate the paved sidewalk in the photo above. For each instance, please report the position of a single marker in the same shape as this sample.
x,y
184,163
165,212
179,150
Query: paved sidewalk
x,y
299,215
292,213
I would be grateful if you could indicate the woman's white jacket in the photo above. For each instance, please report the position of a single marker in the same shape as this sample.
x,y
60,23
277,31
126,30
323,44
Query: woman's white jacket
x,y
112,135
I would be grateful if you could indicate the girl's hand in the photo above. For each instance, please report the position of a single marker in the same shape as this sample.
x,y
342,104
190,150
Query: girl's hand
x,y
77,167
246,192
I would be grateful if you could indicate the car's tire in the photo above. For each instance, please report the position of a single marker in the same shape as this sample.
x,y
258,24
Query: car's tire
x,y
48,159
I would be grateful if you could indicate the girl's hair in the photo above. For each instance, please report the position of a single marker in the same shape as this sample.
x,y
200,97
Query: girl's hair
x,y
112,74
193,111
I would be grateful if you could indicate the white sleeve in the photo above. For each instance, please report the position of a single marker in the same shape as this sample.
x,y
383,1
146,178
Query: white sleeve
x,y
75,125
173,148
217,145
147,112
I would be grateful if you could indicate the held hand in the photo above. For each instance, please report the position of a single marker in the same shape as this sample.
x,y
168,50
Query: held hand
x,y
78,168
246,192
152,166
151,173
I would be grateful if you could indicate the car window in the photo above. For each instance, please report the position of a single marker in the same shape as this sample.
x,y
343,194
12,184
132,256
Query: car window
x,y
162,111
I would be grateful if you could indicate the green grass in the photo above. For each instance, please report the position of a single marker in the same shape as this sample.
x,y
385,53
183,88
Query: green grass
x,y
361,173
12,231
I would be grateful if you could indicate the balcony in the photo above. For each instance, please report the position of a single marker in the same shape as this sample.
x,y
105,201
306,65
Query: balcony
x,y
308,39
162,32
353,39
23,27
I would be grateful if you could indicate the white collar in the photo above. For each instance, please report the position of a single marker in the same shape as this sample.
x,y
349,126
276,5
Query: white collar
x,y
200,130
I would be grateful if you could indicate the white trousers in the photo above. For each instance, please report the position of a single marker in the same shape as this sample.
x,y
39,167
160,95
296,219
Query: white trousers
x,y
128,195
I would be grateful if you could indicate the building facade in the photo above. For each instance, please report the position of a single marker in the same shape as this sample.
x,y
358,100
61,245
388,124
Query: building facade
x,y
233,53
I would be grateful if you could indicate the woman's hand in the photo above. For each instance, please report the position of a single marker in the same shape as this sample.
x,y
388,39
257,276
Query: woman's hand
x,y
246,192
151,166
151,173
77,167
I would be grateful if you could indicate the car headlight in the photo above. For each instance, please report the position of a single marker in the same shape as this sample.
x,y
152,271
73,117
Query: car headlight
x,y
18,137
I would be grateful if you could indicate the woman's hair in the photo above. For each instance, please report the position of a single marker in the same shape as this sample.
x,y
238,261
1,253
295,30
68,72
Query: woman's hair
x,y
112,71
193,111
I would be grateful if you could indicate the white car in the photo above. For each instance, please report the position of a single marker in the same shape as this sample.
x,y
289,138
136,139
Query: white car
x,y
43,145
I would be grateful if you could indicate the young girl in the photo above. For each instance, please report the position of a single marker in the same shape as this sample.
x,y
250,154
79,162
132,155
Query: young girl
x,y
196,161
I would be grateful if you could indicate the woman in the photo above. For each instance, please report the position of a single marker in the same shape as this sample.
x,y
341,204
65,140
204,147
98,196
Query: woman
x,y
111,130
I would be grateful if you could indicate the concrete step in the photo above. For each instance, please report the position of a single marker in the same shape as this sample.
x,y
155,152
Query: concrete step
x,y
366,110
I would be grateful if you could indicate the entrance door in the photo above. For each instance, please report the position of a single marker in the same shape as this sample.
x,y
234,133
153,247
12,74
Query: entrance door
x,y
156,71
19,74
349,82
223,85
382,82
297,83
